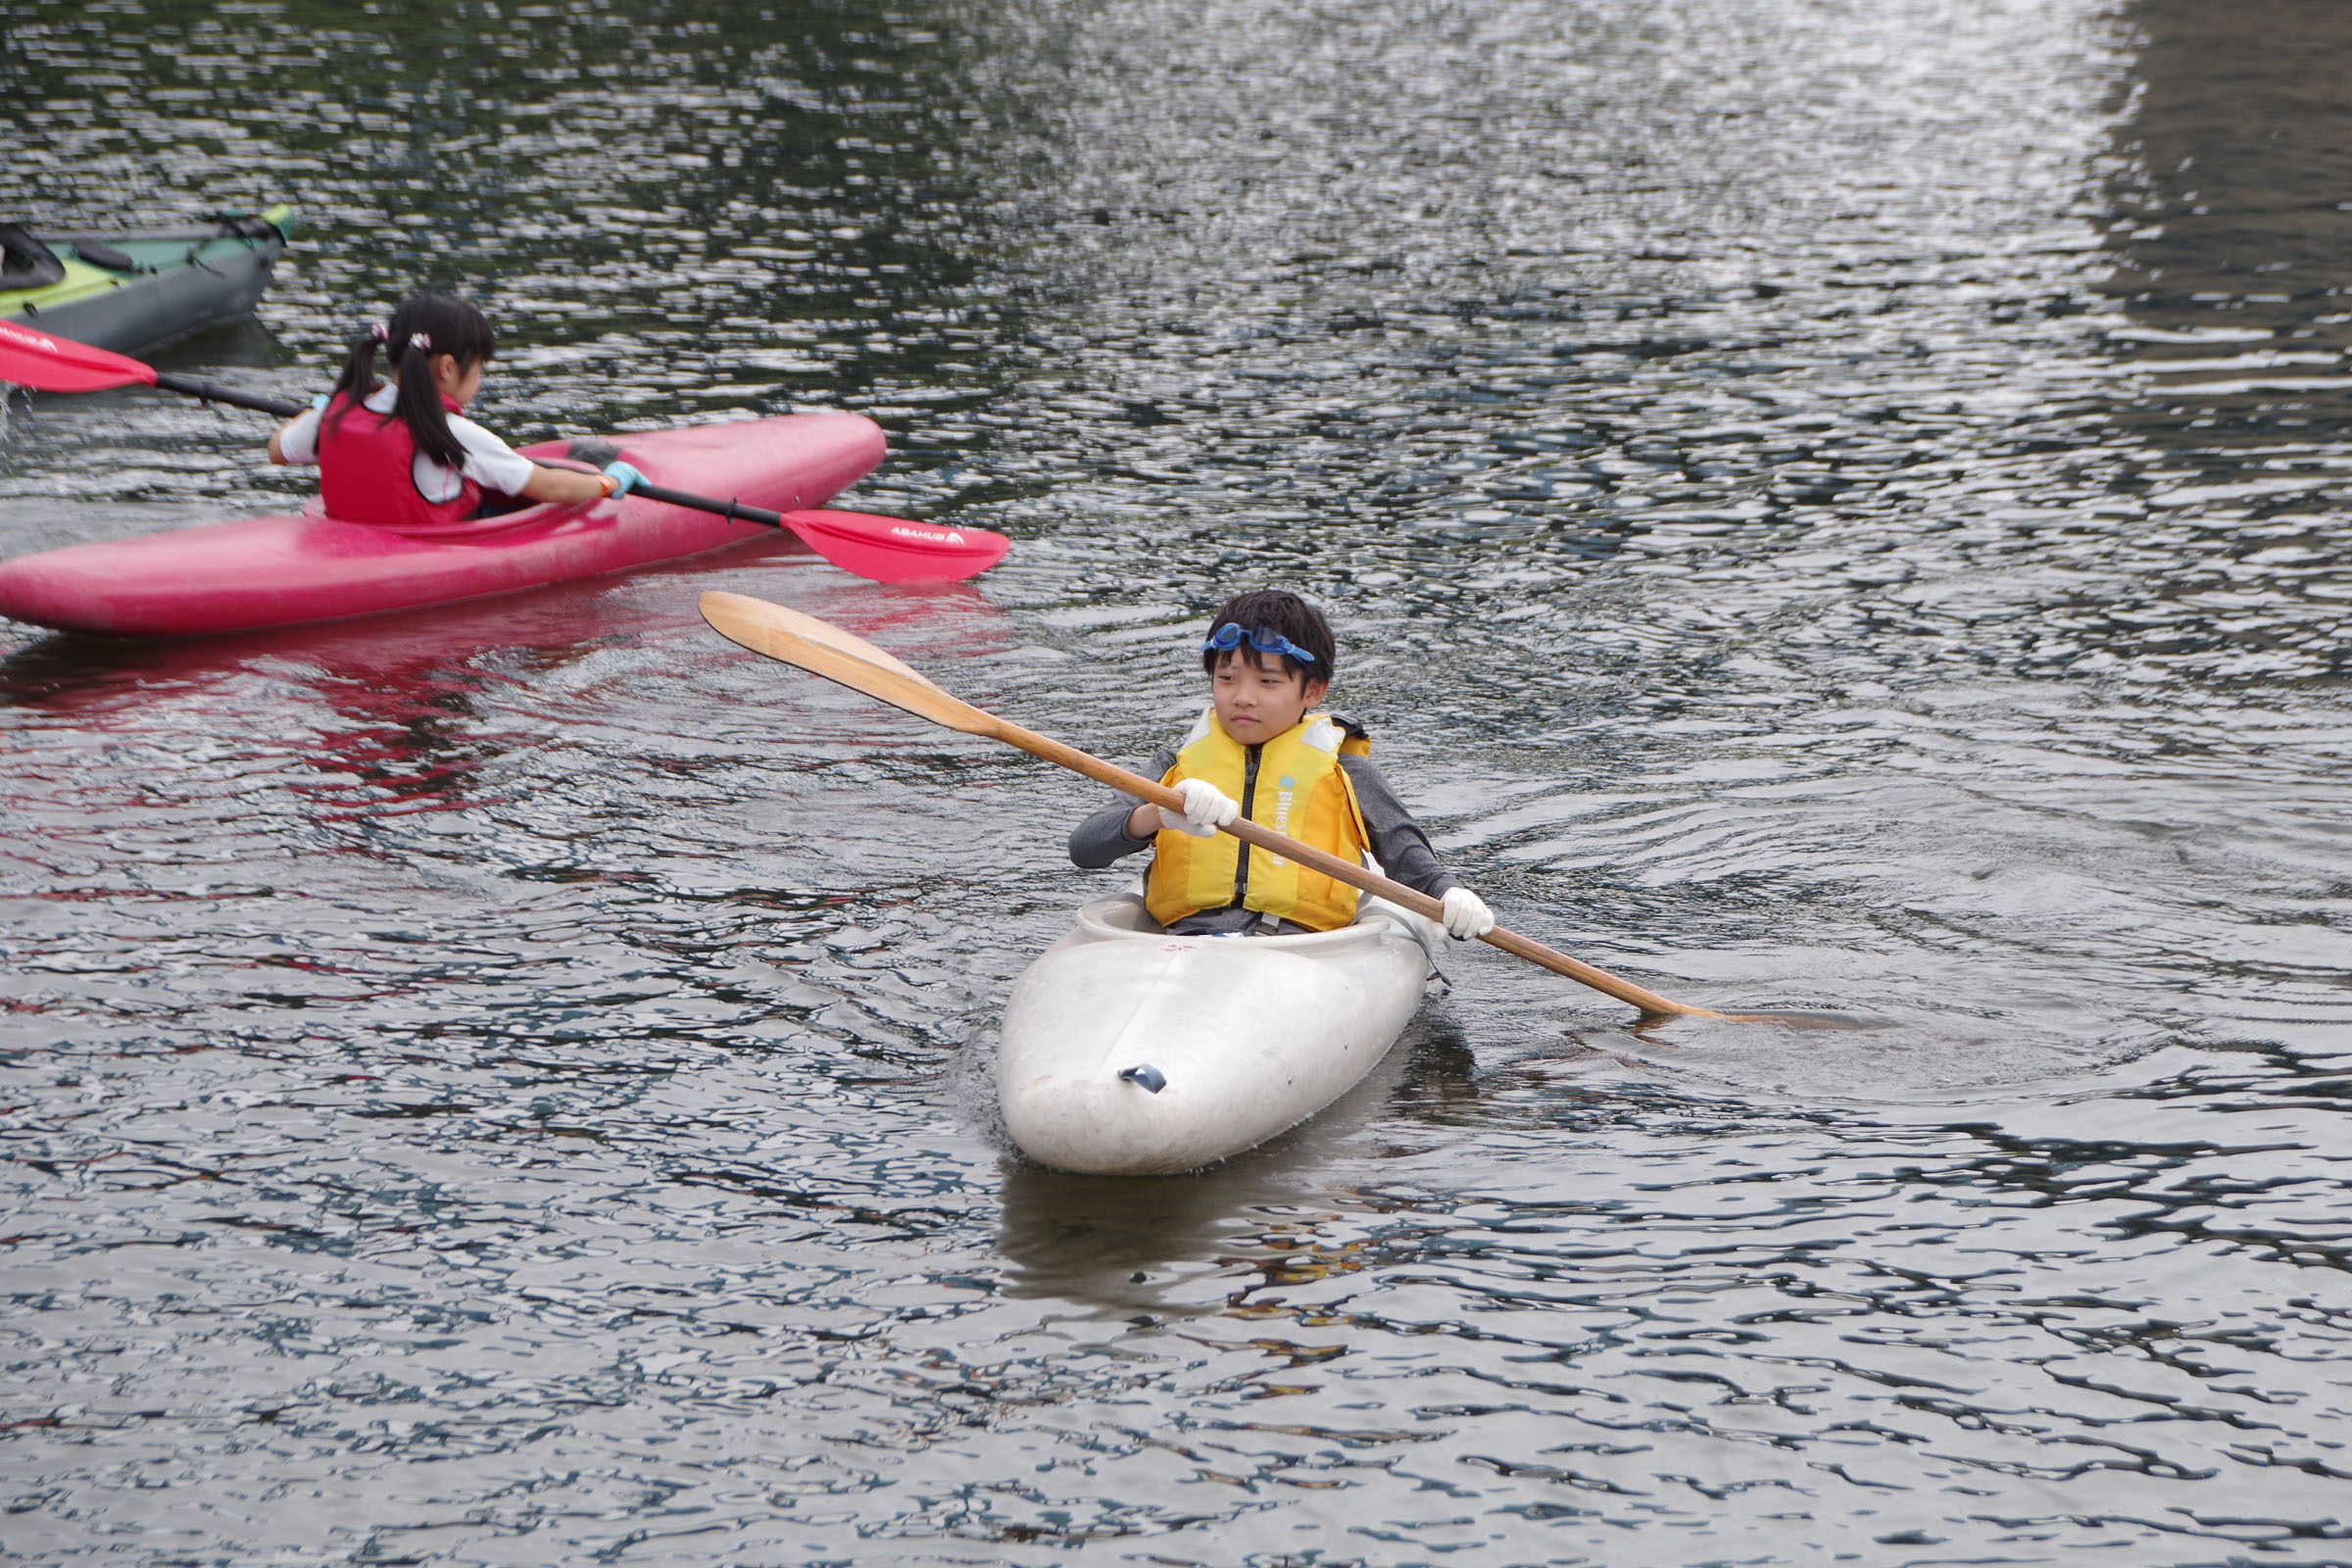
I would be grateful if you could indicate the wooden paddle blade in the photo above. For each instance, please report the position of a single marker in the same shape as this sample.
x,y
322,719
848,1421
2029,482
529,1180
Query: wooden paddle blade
x,y
896,549
47,362
819,631
822,649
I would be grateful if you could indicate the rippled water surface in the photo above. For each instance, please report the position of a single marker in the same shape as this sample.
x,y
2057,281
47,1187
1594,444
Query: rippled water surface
x,y
1826,505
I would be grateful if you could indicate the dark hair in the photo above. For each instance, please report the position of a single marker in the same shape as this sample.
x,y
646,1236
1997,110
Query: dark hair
x,y
1286,615
445,324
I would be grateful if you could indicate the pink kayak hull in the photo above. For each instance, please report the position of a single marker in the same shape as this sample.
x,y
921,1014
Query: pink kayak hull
x,y
289,570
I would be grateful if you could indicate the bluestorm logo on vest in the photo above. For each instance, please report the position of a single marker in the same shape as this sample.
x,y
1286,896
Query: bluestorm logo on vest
x,y
1288,786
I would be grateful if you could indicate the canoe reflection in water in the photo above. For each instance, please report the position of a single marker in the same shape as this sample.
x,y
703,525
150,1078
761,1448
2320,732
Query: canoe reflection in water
x,y
1192,1245
338,725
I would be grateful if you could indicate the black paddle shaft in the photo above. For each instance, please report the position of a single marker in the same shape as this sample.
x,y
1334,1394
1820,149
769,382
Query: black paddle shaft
x,y
725,509
212,393
590,450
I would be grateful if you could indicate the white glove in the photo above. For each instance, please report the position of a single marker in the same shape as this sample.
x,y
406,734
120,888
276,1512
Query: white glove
x,y
1466,914
1206,809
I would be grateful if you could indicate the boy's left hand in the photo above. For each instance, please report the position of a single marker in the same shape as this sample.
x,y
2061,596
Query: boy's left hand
x,y
1466,914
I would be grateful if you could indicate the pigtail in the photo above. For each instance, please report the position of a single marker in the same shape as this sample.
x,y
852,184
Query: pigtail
x,y
358,377
418,403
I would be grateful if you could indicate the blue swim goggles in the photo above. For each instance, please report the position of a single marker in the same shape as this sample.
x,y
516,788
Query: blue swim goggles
x,y
1226,638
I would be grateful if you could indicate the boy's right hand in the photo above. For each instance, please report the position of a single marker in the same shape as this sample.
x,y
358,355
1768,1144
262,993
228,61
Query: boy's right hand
x,y
1206,809
1466,914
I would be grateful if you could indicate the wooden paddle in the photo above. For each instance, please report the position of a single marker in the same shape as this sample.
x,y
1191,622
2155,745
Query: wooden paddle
x,y
827,650
884,549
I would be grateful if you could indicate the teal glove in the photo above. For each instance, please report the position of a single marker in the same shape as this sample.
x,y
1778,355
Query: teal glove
x,y
624,479
321,401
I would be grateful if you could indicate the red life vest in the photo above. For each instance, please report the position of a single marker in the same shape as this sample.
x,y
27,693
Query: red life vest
x,y
366,470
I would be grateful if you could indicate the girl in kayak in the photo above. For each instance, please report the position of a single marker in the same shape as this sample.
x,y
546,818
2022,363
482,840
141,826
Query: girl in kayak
x,y
397,453
1269,662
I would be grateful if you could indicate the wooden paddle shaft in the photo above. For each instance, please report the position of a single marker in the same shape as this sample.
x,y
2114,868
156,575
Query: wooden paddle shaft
x,y
1339,870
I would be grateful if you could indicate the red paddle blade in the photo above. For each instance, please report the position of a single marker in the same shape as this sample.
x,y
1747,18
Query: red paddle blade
x,y
46,362
894,550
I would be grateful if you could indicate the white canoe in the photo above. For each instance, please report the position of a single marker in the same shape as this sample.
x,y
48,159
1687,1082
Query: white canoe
x,y
1128,1051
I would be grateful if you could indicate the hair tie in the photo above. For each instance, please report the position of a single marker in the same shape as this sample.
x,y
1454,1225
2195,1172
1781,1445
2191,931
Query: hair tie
x,y
420,343
381,332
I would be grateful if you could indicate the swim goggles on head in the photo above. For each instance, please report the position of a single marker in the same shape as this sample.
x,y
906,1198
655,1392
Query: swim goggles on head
x,y
1228,637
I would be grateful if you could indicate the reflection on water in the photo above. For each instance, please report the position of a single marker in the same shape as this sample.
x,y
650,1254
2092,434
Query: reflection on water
x,y
1155,1244
1825,507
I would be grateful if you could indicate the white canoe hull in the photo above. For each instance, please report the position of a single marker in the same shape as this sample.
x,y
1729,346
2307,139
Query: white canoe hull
x,y
1245,1037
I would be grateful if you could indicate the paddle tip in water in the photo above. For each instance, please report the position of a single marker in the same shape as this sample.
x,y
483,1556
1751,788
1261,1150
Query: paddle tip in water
x,y
1803,1020
1652,1026
1651,1016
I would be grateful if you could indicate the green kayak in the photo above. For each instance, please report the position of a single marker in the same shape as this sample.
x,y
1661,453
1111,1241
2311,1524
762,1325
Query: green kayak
x,y
130,291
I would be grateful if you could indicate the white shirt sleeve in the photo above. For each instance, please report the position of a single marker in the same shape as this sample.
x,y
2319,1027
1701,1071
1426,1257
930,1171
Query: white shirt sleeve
x,y
298,443
489,463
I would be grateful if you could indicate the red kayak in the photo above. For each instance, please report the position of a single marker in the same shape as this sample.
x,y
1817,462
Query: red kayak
x,y
286,570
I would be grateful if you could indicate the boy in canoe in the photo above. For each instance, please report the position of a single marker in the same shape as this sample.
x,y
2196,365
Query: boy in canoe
x,y
1260,750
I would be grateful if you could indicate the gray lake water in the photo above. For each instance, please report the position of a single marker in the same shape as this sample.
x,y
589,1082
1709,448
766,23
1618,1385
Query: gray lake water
x,y
1826,506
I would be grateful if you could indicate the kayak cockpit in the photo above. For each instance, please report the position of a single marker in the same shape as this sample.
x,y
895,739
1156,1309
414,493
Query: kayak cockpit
x,y
1124,919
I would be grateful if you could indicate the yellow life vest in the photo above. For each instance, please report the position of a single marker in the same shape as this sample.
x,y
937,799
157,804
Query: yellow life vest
x,y
1293,784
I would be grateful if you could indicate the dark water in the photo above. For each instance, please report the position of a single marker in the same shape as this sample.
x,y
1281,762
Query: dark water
x,y
1826,505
